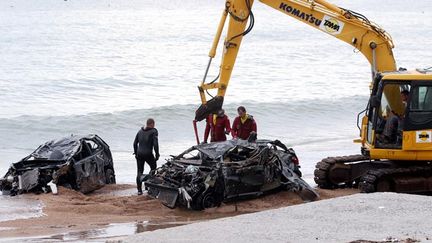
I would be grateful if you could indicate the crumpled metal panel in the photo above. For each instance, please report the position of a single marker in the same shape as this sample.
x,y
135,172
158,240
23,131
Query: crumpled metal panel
x,y
29,180
167,195
297,184
60,149
216,150
89,176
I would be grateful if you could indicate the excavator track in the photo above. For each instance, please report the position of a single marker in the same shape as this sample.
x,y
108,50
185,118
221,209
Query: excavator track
x,y
373,175
335,172
401,179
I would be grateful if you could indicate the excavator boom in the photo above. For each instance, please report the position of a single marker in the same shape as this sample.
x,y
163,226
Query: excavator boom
x,y
346,25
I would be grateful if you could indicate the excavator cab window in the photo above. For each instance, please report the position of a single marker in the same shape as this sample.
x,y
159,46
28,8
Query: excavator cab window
x,y
390,115
419,116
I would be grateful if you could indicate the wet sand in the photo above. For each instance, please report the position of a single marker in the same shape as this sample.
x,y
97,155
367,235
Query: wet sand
x,y
118,206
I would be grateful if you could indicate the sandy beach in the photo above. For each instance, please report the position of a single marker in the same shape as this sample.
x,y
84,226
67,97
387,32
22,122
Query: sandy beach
x,y
73,215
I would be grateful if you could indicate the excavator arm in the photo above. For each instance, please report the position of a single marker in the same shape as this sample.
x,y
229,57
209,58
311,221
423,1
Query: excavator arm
x,y
346,25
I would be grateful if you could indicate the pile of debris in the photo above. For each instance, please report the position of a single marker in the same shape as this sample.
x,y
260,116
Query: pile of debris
x,y
206,175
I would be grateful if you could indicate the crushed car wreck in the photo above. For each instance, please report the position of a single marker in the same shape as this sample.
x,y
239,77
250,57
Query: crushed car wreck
x,y
83,163
206,175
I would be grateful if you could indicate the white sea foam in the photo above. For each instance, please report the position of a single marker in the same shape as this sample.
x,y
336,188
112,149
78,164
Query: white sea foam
x,y
19,207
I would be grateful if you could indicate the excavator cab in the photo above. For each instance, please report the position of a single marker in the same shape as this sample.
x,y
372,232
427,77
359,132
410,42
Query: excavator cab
x,y
396,135
399,122
389,112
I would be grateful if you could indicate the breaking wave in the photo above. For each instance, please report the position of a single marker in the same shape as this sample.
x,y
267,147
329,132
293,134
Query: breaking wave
x,y
284,120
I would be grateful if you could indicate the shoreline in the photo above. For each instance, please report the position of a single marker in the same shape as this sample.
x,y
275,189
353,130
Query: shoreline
x,y
76,216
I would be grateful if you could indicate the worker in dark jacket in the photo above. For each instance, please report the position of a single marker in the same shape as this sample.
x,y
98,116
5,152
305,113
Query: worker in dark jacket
x,y
145,141
243,125
218,126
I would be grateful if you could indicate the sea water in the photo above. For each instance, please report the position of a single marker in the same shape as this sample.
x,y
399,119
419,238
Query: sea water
x,y
104,67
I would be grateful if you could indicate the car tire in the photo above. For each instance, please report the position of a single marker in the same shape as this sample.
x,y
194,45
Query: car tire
x,y
208,199
109,176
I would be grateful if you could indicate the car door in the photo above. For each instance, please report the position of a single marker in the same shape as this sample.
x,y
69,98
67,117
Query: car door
x,y
90,172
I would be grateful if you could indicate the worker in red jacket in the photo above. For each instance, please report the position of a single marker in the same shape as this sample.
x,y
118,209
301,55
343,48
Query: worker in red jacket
x,y
243,125
218,126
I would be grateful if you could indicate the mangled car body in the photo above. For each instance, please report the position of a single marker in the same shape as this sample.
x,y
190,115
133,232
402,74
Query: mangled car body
x,y
83,163
208,174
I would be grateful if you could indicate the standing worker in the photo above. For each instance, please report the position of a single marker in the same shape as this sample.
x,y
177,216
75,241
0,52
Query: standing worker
x,y
243,125
145,141
218,125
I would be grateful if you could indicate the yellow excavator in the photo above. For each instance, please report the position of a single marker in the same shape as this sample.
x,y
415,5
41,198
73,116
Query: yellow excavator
x,y
396,125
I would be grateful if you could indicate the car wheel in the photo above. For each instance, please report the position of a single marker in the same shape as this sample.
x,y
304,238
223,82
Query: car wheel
x,y
207,200
109,176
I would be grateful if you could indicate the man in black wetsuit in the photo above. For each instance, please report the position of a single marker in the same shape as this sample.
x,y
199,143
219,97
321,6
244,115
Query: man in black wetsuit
x,y
145,141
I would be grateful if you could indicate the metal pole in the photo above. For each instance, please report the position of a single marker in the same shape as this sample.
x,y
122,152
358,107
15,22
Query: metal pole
x,y
207,69
196,131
